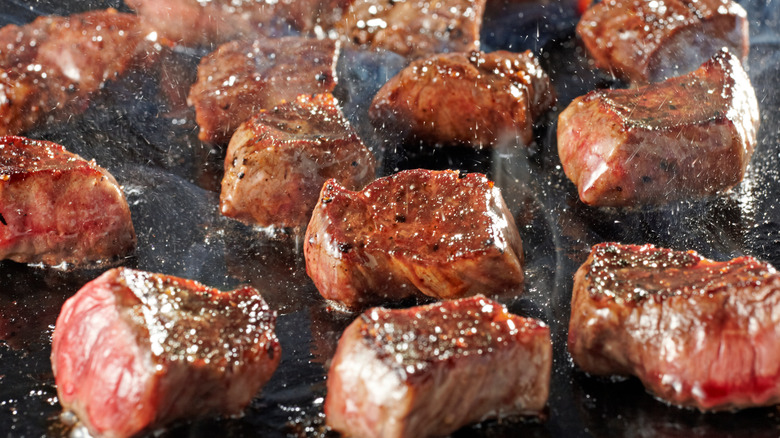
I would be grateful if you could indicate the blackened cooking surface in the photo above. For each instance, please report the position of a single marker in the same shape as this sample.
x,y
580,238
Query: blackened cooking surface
x,y
171,179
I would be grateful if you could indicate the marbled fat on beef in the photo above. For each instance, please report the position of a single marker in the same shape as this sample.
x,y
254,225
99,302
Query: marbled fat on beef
x,y
278,160
696,332
415,233
243,77
688,137
414,28
203,23
430,370
51,67
476,99
652,40
56,207
134,351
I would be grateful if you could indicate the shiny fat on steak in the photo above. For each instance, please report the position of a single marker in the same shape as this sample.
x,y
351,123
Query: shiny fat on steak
x,y
56,207
278,160
51,67
134,351
696,332
688,137
430,370
242,77
416,233
475,99
653,40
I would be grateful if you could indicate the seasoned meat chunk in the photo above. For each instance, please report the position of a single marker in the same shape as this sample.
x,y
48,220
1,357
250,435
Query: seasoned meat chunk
x,y
414,28
133,351
51,67
241,78
278,160
651,40
430,370
478,99
56,207
202,23
435,233
688,137
696,332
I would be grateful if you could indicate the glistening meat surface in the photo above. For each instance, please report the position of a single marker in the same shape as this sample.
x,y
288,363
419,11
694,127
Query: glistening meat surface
x,y
51,67
696,332
278,160
56,207
475,99
134,351
429,370
241,78
650,40
194,22
688,137
414,28
418,232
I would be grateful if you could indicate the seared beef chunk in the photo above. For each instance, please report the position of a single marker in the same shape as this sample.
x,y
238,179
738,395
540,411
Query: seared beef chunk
x,y
414,28
437,233
696,332
50,67
429,370
243,77
652,40
201,23
278,160
56,207
478,99
133,351
688,137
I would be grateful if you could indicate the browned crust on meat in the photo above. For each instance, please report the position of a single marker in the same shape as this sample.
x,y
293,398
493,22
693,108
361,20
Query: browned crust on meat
x,y
56,207
630,37
690,136
278,160
416,232
414,28
242,77
430,370
51,67
476,99
696,332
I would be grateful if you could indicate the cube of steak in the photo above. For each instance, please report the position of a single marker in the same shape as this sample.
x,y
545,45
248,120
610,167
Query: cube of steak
x,y
435,233
56,207
688,137
50,67
429,370
649,41
414,28
278,160
478,99
133,351
696,332
199,23
241,78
